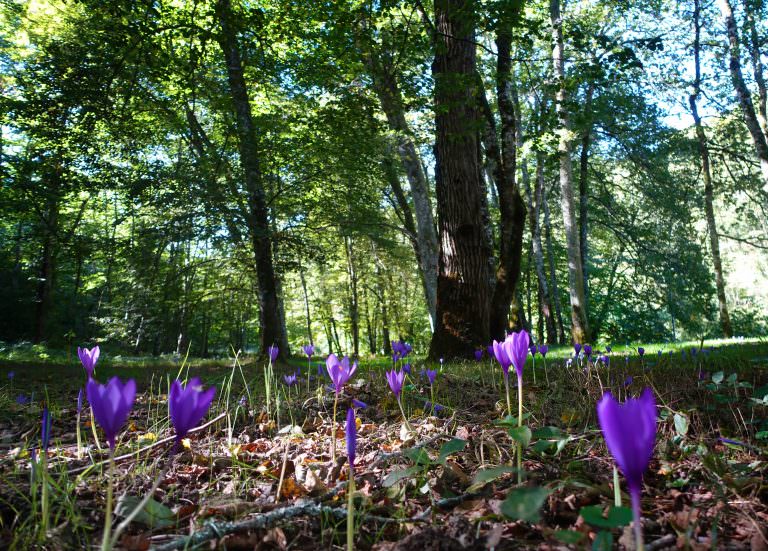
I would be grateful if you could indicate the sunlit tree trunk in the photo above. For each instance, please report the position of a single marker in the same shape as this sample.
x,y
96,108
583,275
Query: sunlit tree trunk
x,y
552,268
579,323
714,241
586,137
546,306
743,95
271,328
464,279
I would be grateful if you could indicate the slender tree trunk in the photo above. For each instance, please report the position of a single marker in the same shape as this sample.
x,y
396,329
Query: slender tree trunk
x,y
552,270
426,247
47,272
701,136
303,280
511,206
755,8
271,328
743,95
354,305
584,192
579,323
546,306
464,280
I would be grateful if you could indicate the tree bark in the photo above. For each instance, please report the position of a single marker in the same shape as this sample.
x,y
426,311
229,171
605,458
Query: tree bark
x,y
271,330
511,206
552,268
425,246
354,303
743,95
307,312
546,307
579,323
464,279
586,136
701,136
756,7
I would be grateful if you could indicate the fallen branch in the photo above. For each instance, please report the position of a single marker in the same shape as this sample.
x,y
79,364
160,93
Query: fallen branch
x,y
154,444
214,530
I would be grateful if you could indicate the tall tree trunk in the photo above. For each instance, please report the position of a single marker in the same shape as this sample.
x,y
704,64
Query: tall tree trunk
x,y
743,95
303,280
354,306
546,307
271,328
586,136
50,227
552,270
755,8
701,136
464,279
579,323
511,206
425,246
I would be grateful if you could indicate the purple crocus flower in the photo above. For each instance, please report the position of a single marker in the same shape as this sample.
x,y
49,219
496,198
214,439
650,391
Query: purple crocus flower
x,y
543,349
273,352
431,375
80,400
608,349
587,351
490,351
605,359
45,433
350,433
533,349
628,381
11,374
434,407
577,348
290,380
188,405
501,356
359,403
309,350
641,351
395,380
516,349
89,358
339,371
407,368
629,430
478,355
22,400
111,403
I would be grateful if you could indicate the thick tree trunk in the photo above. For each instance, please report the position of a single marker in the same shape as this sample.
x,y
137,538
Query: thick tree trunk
x,y
464,279
271,328
586,136
425,246
579,323
307,312
743,95
714,242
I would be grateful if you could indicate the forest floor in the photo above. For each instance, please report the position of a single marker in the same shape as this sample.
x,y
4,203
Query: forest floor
x,y
249,480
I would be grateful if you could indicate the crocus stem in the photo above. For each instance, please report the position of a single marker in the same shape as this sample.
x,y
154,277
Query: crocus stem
x,y
546,374
635,495
44,498
93,429
534,369
616,488
143,503
79,440
519,424
509,403
405,419
351,511
105,541
432,398
333,430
